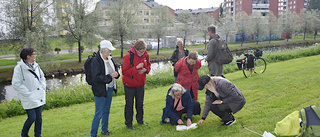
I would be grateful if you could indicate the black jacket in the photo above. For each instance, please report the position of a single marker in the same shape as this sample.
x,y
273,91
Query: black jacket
x,y
174,58
100,79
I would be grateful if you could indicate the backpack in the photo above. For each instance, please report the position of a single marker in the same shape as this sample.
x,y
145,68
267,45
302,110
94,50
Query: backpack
x,y
132,57
224,55
87,68
310,124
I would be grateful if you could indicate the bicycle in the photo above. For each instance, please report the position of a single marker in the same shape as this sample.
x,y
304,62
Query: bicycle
x,y
252,63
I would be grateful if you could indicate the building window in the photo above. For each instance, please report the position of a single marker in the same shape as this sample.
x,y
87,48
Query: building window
x,y
146,20
146,12
140,13
240,2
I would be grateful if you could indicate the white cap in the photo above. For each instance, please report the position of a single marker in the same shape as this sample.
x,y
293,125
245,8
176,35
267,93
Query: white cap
x,y
106,44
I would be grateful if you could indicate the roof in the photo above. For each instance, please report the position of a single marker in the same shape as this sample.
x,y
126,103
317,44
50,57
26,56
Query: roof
x,y
151,3
177,11
107,3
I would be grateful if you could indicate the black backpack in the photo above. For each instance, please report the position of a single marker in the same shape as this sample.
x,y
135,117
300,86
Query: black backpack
x,y
87,68
224,55
310,124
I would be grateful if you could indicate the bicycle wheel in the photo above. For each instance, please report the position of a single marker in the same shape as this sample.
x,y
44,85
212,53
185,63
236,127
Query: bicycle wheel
x,y
247,72
260,65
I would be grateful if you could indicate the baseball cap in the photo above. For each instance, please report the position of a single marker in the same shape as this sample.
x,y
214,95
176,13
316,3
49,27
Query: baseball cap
x,y
106,44
203,80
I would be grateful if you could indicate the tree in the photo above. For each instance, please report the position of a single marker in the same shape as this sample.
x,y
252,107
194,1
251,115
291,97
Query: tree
x,y
272,26
257,24
314,4
306,22
243,25
80,23
163,21
186,19
29,24
316,21
228,25
289,22
123,19
202,22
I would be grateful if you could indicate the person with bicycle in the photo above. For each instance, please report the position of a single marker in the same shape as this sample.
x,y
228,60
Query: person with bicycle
x,y
222,98
215,69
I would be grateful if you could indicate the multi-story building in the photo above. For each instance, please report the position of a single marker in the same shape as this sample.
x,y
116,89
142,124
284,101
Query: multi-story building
x,y
213,12
233,7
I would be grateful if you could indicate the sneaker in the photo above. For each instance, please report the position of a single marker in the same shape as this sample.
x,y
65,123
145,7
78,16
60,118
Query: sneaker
x,y
107,133
229,123
143,124
131,127
167,120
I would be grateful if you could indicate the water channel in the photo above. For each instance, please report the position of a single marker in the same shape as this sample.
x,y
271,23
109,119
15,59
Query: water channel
x,y
8,93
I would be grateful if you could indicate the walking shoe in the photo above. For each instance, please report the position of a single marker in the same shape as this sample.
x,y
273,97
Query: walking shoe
x,y
143,124
229,123
131,127
107,133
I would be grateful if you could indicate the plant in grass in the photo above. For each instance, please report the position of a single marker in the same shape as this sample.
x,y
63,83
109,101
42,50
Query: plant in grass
x,y
57,50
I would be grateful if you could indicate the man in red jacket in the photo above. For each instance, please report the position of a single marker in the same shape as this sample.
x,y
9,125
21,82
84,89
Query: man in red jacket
x,y
134,78
187,67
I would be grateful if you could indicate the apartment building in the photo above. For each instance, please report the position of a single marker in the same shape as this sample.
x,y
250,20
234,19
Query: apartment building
x,y
213,12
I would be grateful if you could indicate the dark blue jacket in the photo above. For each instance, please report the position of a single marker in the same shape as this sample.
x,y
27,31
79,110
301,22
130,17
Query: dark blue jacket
x,y
100,79
186,101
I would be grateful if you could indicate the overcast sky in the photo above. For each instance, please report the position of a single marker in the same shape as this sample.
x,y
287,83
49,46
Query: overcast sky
x,y
190,4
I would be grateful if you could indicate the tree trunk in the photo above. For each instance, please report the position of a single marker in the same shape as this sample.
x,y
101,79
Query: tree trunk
x,y
121,46
241,41
79,50
315,34
158,46
205,42
304,34
257,39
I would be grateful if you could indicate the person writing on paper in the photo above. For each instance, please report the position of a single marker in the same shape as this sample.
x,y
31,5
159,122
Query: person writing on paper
x,y
222,98
179,102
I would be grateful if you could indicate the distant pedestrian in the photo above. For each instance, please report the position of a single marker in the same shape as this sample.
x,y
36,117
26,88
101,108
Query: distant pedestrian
x,y
222,98
188,67
179,53
28,79
215,69
104,72
134,78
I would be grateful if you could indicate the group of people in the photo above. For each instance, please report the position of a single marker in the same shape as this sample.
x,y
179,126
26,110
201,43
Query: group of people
x,y
222,97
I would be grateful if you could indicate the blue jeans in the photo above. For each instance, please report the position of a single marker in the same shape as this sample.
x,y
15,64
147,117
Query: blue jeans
x,y
102,110
34,115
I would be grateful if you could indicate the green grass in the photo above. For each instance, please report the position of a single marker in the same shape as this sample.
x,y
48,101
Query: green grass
x,y
284,87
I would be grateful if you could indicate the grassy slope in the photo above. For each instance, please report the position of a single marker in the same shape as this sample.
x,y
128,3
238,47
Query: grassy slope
x,y
284,87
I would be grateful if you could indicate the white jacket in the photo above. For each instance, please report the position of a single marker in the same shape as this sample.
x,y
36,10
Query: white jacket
x,y
31,89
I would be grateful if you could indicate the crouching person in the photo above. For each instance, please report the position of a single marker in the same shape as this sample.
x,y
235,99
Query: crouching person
x,y
222,98
179,102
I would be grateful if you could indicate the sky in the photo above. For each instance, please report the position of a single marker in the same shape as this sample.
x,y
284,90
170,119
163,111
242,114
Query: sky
x,y
190,4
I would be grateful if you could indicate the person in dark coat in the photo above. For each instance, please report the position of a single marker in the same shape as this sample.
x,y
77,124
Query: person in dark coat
x,y
179,102
179,53
215,69
222,98
104,72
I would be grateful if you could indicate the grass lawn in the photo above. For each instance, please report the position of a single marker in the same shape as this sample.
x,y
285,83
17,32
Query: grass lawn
x,y
284,87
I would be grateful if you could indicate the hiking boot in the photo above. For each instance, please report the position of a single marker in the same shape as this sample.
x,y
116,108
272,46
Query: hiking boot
x,y
229,123
142,123
107,133
131,127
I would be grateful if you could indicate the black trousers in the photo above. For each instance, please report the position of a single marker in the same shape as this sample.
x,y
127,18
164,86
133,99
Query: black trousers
x,y
132,93
196,110
223,111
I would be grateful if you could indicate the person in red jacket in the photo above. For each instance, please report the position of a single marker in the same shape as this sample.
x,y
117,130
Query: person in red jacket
x,y
187,67
134,78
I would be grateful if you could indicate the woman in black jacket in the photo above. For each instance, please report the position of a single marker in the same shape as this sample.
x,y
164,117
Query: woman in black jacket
x,y
179,53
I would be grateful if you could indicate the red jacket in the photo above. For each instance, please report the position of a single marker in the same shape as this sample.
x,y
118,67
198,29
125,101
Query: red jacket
x,y
130,75
186,78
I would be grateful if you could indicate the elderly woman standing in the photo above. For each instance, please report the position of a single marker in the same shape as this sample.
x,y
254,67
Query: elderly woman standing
x,y
222,98
104,72
179,102
28,79
187,67
179,53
